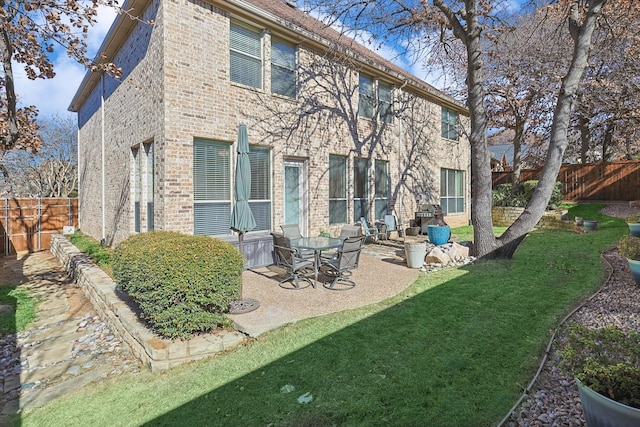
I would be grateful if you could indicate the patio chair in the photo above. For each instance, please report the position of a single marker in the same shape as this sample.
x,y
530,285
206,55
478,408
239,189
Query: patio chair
x,y
341,267
295,265
346,232
370,232
292,231
390,224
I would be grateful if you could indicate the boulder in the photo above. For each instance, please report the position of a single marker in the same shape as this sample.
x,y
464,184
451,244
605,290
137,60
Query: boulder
x,y
458,252
437,256
634,204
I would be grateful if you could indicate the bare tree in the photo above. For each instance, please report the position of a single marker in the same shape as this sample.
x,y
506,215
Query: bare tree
x,y
608,115
29,32
524,66
52,171
469,22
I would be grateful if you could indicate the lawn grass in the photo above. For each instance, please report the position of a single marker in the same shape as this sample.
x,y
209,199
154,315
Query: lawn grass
x,y
455,349
22,312
101,255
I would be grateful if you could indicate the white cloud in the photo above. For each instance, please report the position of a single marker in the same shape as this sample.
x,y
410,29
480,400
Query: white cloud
x,y
53,96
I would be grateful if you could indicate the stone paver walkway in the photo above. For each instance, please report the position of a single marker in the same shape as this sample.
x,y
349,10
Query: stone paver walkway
x,y
66,348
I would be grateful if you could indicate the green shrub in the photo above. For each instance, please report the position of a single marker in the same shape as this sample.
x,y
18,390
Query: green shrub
x,y
633,219
629,247
607,360
183,284
502,195
619,382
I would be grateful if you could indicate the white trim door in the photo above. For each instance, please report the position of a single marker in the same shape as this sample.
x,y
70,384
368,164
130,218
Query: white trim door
x,y
295,194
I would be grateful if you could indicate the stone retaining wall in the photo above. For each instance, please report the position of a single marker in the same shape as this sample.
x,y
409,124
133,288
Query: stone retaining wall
x,y
154,352
505,216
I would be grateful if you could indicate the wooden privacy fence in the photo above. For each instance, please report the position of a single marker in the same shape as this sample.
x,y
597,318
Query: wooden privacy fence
x,y
595,181
27,224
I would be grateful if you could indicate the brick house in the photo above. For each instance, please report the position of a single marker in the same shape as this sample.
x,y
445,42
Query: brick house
x,y
336,132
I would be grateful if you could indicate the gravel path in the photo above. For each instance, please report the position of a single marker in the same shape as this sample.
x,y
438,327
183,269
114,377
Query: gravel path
x,y
554,399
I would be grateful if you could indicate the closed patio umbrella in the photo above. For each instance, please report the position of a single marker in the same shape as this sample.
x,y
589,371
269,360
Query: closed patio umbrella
x,y
242,218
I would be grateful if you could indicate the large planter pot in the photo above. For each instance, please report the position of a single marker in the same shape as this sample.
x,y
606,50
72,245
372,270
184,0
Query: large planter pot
x,y
415,252
634,266
600,411
412,231
590,225
439,234
634,229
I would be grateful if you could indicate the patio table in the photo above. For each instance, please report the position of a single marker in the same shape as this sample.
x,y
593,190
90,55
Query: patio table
x,y
317,245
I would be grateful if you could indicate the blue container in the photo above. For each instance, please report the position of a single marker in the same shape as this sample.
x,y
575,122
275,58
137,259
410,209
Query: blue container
x,y
634,229
438,234
634,266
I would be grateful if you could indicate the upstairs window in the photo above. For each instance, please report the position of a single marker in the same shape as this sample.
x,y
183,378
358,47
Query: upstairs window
x,y
246,56
384,102
283,68
449,124
366,103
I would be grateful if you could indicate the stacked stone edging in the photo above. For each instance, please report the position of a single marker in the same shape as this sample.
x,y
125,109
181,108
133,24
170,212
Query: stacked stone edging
x,y
505,216
154,352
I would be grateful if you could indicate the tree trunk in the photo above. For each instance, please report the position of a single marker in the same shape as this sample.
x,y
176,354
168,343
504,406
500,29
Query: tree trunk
x,y
581,31
585,138
9,141
607,141
517,155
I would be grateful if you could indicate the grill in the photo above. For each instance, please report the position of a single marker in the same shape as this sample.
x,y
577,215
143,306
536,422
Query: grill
x,y
429,214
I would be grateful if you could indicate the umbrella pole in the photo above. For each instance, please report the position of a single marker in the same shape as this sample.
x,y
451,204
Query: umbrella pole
x,y
240,241
242,305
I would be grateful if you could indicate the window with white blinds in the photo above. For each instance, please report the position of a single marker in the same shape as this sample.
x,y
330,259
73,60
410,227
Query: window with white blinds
x,y
283,68
381,200
360,188
337,189
246,55
211,187
366,102
260,198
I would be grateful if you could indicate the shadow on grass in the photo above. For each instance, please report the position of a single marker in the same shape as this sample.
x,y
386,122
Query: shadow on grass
x,y
456,354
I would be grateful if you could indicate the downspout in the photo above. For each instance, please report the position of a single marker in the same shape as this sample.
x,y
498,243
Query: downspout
x,y
103,196
400,143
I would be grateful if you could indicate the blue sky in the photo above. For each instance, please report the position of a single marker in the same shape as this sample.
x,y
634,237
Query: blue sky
x,y
53,96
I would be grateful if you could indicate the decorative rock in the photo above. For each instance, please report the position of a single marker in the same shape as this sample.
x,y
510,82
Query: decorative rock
x,y
634,204
462,251
73,370
436,255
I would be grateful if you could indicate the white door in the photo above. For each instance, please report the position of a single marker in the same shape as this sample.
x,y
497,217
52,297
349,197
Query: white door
x,y
295,195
